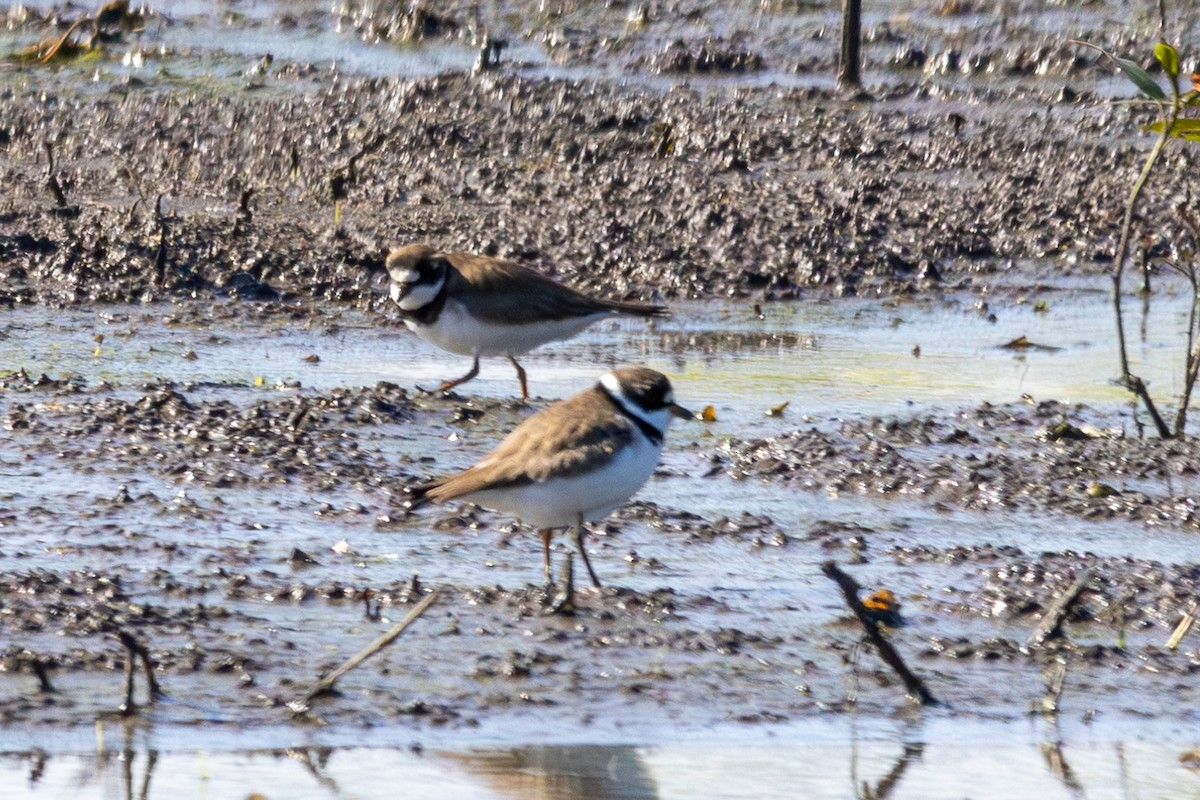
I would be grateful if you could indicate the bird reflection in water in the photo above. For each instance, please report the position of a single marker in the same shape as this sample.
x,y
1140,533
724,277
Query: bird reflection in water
x,y
584,772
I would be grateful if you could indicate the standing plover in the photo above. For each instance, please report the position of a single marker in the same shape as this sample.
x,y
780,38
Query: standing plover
x,y
574,461
481,306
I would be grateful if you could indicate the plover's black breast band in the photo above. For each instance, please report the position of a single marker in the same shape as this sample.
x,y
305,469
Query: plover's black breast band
x,y
652,433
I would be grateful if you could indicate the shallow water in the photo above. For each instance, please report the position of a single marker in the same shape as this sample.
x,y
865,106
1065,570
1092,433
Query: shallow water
x,y
904,769
825,359
188,44
973,765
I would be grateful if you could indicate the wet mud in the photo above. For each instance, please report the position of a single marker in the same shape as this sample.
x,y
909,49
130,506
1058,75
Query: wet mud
x,y
252,542
939,179
253,537
1031,457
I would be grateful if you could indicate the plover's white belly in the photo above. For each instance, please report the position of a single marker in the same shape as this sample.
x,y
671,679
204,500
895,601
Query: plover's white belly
x,y
458,332
558,502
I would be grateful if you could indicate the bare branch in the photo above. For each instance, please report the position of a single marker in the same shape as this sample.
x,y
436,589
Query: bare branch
x,y
325,685
1051,625
912,684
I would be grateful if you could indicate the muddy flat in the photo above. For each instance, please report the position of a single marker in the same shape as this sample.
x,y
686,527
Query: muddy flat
x,y
895,301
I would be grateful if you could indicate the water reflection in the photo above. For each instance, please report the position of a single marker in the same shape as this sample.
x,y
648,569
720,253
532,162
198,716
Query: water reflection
x,y
531,773
1056,761
883,788
876,770
549,772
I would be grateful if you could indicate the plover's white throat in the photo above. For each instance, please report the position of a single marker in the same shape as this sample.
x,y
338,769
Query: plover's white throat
x,y
480,306
575,461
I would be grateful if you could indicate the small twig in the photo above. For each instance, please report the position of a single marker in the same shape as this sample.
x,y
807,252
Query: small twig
x,y
1130,381
52,182
849,72
489,53
41,671
325,685
1185,625
245,215
58,44
912,684
160,254
127,758
1056,678
244,203
1051,625
1192,360
1136,385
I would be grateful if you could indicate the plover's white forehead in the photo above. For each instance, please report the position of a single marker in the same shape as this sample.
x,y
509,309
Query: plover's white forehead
x,y
405,275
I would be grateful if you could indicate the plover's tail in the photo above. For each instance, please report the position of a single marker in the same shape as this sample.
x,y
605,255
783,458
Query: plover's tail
x,y
636,309
417,496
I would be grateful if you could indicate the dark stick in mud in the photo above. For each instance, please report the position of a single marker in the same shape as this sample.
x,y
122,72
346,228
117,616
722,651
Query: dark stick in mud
x,y
1051,625
41,672
52,184
849,60
160,255
850,588
325,685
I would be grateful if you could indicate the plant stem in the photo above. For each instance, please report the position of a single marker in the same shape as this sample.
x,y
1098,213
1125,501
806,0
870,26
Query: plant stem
x,y
1192,365
1128,380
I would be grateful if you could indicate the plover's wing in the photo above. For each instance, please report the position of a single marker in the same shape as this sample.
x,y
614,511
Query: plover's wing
x,y
505,292
568,438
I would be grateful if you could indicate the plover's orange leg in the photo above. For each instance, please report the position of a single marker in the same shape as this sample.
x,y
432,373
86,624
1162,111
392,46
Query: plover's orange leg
x,y
546,534
579,532
521,377
448,385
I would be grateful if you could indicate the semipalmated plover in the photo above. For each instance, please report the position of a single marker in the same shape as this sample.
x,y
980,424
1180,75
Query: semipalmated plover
x,y
574,461
480,306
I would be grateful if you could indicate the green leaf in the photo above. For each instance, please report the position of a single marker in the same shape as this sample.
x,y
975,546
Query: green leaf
x,y
1141,79
1187,128
1169,59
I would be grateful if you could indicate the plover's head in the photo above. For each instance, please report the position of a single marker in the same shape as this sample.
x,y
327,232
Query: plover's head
x,y
646,394
418,273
